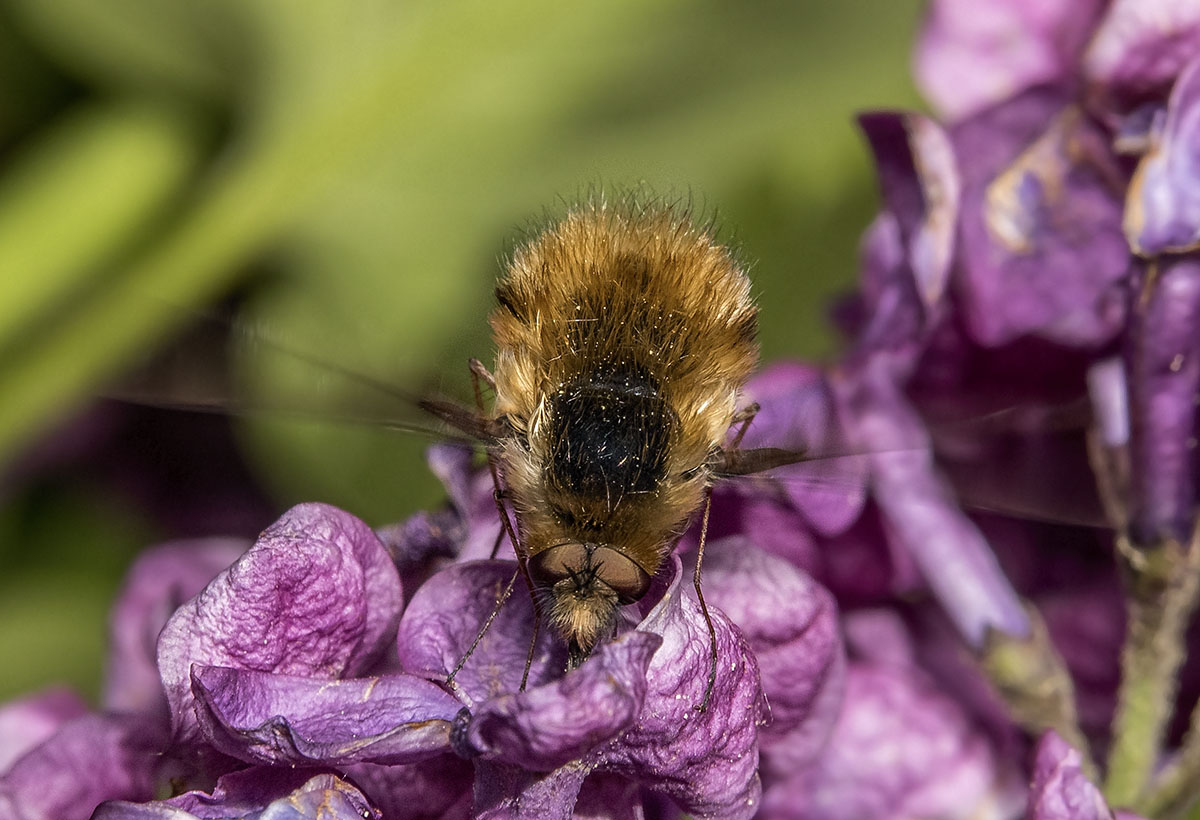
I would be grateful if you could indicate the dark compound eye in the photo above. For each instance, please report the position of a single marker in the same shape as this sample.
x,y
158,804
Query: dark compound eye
x,y
553,565
620,572
605,564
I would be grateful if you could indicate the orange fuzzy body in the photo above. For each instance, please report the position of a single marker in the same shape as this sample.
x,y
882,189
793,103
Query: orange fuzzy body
x,y
624,336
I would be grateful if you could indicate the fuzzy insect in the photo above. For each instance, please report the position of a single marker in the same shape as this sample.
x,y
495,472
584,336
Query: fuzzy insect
x,y
624,336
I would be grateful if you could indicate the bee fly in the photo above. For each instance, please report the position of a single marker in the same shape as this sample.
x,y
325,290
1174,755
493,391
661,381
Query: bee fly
x,y
624,336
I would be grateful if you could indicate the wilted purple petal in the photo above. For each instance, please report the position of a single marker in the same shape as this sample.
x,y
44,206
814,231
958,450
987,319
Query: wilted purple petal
x,y
973,54
317,595
1139,48
553,724
1163,363
706,762
1041,222
797,413
791,624
28,722
900,749
444,617
1162,208
1060,790
921,513
919,179
440,787
87,761
158,582
256,794
504,792
289,720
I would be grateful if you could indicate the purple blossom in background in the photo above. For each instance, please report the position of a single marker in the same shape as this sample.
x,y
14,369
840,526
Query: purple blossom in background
x,y
1037,243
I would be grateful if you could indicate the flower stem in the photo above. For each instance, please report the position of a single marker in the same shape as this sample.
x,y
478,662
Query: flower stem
x,y
1033,680
1161,584
1175,792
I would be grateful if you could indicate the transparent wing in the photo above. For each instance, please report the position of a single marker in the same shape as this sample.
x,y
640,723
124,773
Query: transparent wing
x,y
1035,467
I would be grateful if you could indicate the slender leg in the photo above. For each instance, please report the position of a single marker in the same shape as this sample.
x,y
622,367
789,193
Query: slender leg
x,y
496,544
743,417
712,633
480,373
487,624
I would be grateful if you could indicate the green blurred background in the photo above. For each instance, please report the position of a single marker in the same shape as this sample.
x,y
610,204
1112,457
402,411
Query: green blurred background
x,y
345,177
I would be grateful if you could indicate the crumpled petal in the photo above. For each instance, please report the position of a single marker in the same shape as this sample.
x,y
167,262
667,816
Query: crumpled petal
x,y
88,760
1139,48
159,581
791,624
290,720
921,514
317,595
1040,237
256,794
551,725
706,762
900,749
1162,207
444,617
31,720
505,792
972,54
796,412
1060,789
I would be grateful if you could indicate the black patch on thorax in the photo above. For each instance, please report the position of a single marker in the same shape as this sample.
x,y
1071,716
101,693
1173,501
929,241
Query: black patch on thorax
x,y
609,436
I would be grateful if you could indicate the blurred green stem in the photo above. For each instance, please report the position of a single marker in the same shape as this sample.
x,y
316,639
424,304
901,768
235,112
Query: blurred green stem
x,y
1033,680
1161,588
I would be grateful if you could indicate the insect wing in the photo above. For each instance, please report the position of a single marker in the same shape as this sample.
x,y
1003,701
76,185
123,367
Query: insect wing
x,y
314,428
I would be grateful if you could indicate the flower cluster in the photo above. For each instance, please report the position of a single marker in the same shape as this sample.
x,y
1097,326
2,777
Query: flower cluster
x,y
882,652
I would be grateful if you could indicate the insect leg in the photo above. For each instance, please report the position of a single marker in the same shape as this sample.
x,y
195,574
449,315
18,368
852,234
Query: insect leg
x,y
743,417
712,633
479,372
487,624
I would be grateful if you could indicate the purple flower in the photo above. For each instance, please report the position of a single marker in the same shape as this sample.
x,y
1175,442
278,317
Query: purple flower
x,y
158,582
271,685
629,710
1162,210
317,595
971,55
30,721
900,748
1060,790
256,794
89,759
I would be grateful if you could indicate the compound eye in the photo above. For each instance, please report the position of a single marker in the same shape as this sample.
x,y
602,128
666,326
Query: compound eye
x,y
620,572
552,565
